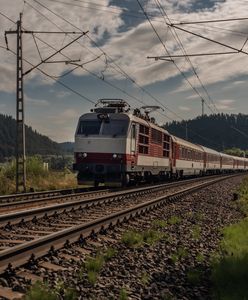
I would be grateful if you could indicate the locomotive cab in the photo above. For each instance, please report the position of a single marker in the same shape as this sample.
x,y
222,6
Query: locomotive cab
x,y
101,144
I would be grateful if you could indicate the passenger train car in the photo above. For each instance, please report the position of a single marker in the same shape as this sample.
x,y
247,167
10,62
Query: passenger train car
x,y
115,146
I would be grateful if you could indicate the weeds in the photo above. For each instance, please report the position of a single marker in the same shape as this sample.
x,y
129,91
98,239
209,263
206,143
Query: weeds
x,y
196,232
136,239
159,223
151,236
174,220
199,258
109,254
123,294
132,239
199,216
42,291
93,265
181,253
145,278
37,177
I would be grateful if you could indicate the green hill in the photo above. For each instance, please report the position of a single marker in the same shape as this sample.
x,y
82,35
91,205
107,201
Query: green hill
x,y
35,143
219,131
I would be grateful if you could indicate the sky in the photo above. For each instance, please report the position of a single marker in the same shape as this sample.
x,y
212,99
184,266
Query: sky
x,y
110,60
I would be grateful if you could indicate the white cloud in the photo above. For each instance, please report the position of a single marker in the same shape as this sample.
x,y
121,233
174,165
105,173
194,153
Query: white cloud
x,y
225,104
184,108
129,49
36,101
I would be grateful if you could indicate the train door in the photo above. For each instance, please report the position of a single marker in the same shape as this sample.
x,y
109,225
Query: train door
x,y
133,139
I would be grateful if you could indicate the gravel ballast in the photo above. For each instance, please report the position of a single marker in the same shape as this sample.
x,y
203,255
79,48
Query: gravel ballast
x,y
177,266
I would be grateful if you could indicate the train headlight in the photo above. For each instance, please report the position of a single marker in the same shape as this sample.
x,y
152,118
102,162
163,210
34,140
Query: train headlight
x,y
114,155
84,155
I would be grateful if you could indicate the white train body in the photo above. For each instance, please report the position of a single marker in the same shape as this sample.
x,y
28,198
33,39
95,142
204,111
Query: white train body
x,y
114,146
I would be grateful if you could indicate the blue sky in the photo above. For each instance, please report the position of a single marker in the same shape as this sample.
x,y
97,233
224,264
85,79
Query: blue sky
x,y
124,35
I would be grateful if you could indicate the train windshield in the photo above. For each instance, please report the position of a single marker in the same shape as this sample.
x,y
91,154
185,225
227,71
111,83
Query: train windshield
x,y
97,127
89,127
114,127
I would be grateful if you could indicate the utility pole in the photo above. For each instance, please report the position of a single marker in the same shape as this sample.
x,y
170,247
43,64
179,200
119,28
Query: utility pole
x,y
202,101
20,112
20,123
186,131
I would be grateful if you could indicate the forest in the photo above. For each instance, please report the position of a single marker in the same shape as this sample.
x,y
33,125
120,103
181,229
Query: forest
x,y
36,143
220,131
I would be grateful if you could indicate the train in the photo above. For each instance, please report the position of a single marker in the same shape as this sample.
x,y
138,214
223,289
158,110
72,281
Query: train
x,y
117,146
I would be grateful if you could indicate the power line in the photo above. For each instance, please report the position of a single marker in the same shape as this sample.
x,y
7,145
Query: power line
x,y
211,21
111,60
178,40
46,74
158,36
208,39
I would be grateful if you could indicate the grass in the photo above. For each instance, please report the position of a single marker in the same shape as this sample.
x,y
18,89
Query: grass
x,y
242,202
110,252
132,238
40,291
135,239
199,257
179,254
123,294
173,220
144,278
37,178
159,223
230,266
93,265
196,232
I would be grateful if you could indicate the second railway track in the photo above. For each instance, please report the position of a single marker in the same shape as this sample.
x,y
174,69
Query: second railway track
x,y
34,238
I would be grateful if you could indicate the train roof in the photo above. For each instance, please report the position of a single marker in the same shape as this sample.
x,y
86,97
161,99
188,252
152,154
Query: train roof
x,y
210,151
125,115
186,143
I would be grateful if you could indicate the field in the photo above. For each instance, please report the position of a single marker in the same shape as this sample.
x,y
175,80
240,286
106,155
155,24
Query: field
x,y
38,177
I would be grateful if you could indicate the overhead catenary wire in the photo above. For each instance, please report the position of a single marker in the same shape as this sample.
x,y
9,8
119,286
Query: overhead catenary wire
x,y
110,60
127,76
163,44
46,74
178,40
80,94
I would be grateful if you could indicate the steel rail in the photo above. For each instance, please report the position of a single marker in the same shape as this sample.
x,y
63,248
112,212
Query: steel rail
x,y
23,203
21,254
29,214
33,195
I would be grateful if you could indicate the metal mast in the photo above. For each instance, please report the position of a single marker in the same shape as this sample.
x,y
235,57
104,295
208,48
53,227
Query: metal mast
x,y
202,107
20,121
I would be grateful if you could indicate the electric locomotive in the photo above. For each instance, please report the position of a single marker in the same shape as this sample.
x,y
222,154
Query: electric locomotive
x,y
115,146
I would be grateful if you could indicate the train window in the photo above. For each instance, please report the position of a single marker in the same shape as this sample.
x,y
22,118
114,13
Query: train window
x,y
143,149
114,127
143,139
89,127
156,136
144,129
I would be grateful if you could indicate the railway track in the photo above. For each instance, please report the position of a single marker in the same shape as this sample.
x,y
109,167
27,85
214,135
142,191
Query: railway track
x,y
30,234
18,202
49,198
17,198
